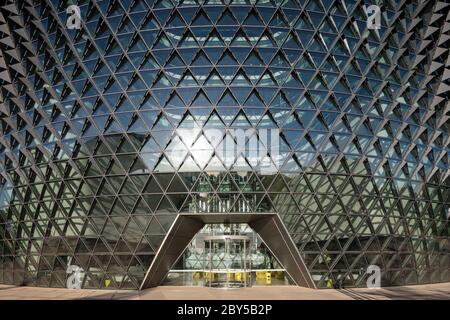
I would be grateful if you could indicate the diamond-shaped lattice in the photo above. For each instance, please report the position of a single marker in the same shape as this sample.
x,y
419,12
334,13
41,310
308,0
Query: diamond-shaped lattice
x,y
106,133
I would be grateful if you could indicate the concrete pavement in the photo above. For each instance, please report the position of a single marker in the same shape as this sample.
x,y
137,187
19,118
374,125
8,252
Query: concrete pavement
x,y
432,291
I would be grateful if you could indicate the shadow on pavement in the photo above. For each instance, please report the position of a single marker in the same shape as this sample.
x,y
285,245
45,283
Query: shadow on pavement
x,y
400,293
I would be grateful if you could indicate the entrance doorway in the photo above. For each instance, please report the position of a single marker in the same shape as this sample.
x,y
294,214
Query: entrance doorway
x,y
271,256
227,256
227,261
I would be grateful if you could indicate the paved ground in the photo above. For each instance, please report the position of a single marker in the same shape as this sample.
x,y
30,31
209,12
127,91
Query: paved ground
x,y
434,291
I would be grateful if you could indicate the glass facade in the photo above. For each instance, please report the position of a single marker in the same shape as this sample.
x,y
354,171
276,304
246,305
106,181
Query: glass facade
x,y
227,255
109,131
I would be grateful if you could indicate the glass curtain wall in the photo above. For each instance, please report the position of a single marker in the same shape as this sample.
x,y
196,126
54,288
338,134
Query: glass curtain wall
x,y
107,132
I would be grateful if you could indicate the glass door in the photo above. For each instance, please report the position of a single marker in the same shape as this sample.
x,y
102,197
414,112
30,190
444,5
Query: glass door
x,y
227,261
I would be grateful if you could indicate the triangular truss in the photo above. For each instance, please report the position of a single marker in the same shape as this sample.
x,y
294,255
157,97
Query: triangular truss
x,y
94,169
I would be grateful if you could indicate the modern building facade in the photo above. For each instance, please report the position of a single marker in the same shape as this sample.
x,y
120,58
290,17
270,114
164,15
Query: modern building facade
x,y
281,141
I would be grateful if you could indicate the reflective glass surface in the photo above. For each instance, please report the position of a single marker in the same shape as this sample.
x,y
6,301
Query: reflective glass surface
x,y
109,131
